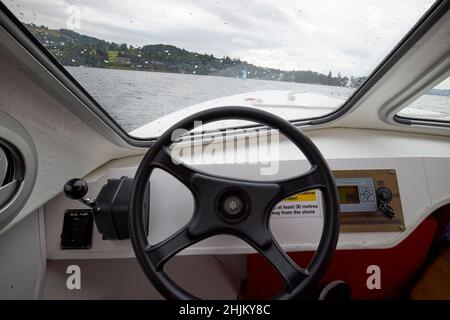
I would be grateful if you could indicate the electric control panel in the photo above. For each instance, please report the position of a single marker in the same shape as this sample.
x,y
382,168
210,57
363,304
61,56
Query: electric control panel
x,y
356,194
369,200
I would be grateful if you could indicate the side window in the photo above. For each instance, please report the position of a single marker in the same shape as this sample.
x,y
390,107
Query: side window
x,y
18,168
3,167
434,105
10,176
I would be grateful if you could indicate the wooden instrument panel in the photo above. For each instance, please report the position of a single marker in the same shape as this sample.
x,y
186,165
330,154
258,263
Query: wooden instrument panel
x,y
373,221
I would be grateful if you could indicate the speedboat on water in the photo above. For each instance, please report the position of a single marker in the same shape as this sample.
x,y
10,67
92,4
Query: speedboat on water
x,y
177,151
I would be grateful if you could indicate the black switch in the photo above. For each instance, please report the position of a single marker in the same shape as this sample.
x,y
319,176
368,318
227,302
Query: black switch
x,y
77,229
387,210
384,194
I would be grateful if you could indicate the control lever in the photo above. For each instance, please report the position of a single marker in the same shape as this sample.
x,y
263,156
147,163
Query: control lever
x,y
77,189
110,208
384,196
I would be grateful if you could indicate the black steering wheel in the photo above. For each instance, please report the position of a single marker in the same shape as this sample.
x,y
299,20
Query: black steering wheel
x,y
237,207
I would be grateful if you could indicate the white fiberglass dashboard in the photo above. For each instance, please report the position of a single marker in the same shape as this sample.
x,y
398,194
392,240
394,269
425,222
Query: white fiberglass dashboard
x,y
421,166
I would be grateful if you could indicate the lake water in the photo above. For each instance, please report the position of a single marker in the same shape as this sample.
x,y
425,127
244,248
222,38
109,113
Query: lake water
x,y
134,98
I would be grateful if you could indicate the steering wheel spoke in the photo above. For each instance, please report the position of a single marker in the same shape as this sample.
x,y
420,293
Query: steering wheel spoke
x,y
179,170
308,181
160,253
289,271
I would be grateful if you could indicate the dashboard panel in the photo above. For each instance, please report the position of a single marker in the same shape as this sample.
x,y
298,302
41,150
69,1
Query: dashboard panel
x,y
171,206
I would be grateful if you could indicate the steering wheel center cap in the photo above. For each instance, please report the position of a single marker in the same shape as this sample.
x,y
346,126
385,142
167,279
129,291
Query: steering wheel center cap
x,y
233,204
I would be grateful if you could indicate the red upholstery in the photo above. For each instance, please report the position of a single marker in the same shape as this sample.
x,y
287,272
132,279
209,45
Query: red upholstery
x,y
399,267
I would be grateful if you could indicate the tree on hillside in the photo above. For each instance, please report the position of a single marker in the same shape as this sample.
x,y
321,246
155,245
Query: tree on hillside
x,y
74,49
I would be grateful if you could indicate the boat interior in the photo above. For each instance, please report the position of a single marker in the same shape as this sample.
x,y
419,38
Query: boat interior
x,y
354,204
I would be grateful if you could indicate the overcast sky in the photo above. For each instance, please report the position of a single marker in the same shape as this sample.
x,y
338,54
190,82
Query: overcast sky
x,y
350,37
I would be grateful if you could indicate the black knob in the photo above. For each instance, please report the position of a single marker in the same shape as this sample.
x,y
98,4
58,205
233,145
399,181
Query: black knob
x,y
75,189
384,194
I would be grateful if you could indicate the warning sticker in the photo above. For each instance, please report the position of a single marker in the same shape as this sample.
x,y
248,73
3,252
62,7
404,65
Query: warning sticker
x,y
306,204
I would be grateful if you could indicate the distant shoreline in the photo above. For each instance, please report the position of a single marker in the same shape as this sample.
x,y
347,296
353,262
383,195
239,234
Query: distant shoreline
x,y
189,74
73,49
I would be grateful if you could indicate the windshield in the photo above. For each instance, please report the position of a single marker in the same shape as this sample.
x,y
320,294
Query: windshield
x,y
152,63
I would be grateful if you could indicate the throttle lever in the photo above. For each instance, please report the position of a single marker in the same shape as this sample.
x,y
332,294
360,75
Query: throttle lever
x,y
77,189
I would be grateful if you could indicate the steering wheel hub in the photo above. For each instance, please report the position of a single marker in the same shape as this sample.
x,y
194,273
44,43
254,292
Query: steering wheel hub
x,y
233,204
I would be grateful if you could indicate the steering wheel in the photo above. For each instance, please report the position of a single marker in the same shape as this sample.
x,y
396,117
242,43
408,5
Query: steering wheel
x,y
236,207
